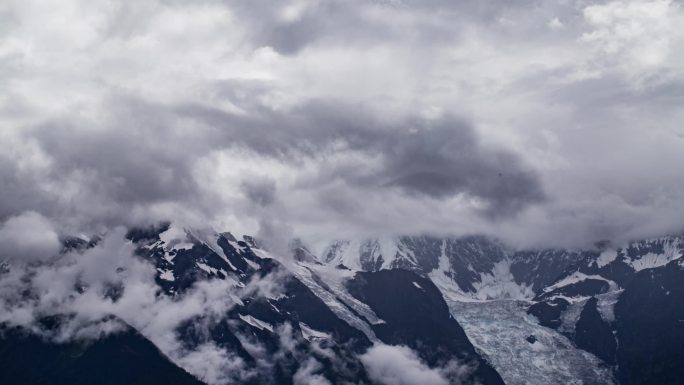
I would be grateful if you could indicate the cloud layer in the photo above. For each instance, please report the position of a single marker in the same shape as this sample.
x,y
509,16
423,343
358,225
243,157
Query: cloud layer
x,y
554,123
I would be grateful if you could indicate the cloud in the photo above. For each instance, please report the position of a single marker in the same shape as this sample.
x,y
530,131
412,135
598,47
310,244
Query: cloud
x,y
28,237
445,159
399,365
260,191
436,157
346,118
214,365
306,374
638,33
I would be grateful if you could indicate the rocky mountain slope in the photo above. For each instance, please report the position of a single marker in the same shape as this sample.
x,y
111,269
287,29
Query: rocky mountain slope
x,y
282,320
196,306
584,316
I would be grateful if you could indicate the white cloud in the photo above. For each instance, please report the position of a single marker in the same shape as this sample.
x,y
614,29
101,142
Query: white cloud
x,y
28,237
399,365
639,34
555,23
214,365
306,374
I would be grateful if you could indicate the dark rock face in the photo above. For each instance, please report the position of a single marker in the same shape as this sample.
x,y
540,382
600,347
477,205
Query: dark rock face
x,y
416,315
309,309
470,257
549,312
595,335
426,251
600,299
282,348
149,234
643,283
122,358
650,327
541,268
296,304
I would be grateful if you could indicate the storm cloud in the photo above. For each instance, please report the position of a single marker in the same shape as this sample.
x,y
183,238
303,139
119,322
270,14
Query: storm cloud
x,y
553,123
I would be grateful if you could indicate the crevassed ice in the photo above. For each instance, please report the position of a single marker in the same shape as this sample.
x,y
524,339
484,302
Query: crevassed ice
x,y
498,330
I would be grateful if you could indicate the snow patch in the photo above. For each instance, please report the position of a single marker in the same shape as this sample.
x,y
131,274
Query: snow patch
x,y
311,334
606,304
167,275
257,323
500,284
207,268
495,285
651,260
237,299
327,283
388,248
570,300
354,254
579,277
343,253
173,239
441,277
571,315
172,236
210,239
251,264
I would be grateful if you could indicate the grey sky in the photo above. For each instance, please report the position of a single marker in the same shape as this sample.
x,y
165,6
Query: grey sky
x,y
541,122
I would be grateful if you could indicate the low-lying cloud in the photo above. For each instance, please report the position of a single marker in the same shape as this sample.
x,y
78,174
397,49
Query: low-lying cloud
x,y
106,288
399,365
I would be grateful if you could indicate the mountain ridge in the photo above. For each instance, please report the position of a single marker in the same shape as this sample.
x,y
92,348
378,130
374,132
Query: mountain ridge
x,y
542,303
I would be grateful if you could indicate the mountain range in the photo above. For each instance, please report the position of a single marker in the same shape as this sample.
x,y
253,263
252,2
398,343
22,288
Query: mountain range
x,y
403,310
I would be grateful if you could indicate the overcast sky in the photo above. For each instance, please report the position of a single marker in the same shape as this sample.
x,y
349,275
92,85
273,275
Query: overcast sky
x,y
541,122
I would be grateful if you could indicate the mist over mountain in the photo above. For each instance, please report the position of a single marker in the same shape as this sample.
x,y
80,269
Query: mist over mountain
x,y
216,309
341,192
